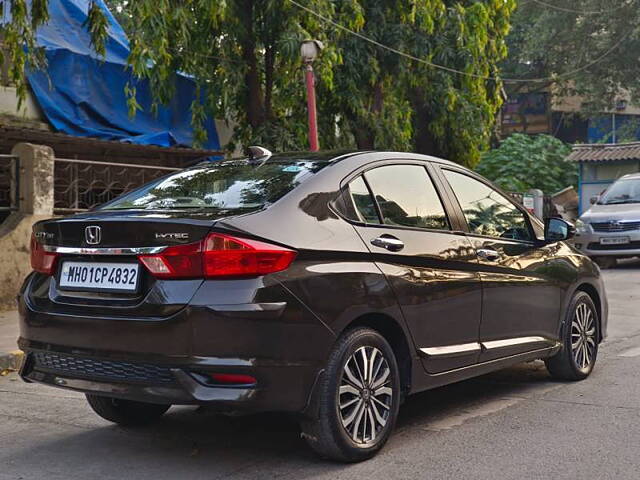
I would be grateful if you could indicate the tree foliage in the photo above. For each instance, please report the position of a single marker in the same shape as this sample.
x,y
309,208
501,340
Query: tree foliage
x,y
244,57
523,162
391,102
588,47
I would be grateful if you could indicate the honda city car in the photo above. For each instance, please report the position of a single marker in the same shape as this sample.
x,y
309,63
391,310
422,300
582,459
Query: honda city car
x,y
330,286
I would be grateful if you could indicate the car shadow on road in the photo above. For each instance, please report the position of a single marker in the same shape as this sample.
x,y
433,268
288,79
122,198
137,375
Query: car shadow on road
x,y
628,264
195,442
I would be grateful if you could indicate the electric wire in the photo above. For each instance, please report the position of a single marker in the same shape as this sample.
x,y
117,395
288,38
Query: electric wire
x,y
460,72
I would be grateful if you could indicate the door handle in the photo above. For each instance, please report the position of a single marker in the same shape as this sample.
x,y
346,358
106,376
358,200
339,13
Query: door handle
x,y
389,242
488,254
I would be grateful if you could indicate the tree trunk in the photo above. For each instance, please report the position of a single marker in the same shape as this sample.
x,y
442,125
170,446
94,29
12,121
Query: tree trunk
x,y
254,99
423,140
364,137
269,65
364,134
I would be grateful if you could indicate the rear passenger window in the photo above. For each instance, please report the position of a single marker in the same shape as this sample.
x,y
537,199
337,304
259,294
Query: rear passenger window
x,y
362,201
407,197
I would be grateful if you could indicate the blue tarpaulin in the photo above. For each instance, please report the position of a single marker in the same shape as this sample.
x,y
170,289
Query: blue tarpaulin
x,y
84,95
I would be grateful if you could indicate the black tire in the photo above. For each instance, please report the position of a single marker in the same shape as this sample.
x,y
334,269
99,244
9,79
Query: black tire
x,y
569,362
126,412
327,435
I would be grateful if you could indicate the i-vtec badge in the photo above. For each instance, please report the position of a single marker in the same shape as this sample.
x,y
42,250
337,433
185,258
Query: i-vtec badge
x,y
172,236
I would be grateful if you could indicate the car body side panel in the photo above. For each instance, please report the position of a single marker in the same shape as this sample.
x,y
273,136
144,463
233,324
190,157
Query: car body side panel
x,y
522,294
249,319
435,280
587,275
352,289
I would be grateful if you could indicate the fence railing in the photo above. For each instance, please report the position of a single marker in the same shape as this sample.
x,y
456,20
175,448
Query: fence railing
x,y
9,183
80,185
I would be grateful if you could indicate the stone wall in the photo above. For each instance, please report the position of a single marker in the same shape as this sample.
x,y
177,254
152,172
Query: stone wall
x,y
36,203
15,235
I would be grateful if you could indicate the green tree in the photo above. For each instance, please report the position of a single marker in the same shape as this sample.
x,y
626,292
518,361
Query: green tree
x,y
581,47
244,57
389,101
523,162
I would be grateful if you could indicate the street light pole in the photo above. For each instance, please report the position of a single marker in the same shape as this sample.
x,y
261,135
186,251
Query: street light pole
x,y
309,51
311,107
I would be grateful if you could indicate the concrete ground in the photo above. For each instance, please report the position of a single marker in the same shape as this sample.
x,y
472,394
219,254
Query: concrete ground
x,y
513,424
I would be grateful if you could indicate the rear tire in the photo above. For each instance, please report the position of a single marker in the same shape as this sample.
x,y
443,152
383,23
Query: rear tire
x,y
358,406
577,358
126,412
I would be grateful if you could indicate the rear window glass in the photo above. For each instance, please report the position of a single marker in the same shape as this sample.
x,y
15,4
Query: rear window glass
x,y
238,185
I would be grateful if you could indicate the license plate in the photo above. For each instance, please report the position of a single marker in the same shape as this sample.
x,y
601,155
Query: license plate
x,y
614,240
99,276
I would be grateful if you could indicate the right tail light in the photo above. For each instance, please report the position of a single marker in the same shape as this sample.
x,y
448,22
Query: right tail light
x,y
218,256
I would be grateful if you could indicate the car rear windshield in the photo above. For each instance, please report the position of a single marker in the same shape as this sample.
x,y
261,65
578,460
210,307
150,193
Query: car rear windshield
x,y
225,186
623,191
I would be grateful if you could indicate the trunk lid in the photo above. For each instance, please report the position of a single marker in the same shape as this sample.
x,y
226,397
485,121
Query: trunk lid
x,y
119,230
131,229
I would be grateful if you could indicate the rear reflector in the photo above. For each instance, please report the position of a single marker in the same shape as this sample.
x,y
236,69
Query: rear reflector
x,y
41,261
232,379
217,256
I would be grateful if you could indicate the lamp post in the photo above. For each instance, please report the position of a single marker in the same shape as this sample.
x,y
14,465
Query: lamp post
x,y
309,51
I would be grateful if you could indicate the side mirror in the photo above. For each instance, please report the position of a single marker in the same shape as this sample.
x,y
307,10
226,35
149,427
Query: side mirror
x,y
594,199
557,230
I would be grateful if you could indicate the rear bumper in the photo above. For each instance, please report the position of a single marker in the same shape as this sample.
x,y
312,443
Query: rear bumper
x,y
220,331
172,380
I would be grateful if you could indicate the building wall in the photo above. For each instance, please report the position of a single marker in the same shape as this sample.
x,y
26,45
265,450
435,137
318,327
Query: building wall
x,y
9,105
15,264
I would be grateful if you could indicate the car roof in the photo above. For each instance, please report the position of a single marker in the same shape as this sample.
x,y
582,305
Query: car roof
x,y
630,176
331,156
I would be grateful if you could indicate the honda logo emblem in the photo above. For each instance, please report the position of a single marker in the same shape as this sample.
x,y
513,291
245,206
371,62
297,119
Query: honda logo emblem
x,y
93,235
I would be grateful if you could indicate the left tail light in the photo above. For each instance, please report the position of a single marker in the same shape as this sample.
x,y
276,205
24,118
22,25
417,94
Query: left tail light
x,y
42,261
219,256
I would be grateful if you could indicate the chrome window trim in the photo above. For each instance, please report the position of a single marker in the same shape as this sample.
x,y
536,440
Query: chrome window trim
x,y
102,250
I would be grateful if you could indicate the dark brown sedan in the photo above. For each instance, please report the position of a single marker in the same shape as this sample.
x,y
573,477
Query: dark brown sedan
x,y
331,286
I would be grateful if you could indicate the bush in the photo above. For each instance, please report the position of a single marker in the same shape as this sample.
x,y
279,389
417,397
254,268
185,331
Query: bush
x,y
523,162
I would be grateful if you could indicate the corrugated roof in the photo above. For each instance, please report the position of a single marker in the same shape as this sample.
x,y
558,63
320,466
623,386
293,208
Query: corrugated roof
x,y
605,152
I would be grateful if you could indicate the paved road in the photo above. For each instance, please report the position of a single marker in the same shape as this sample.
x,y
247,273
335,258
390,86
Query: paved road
x,y
514,424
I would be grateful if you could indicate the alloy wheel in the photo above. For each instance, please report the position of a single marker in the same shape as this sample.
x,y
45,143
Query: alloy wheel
x,y
365,395
583,336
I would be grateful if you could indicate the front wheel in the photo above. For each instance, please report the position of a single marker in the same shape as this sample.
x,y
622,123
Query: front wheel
x,y
126,412
576,359
358,398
